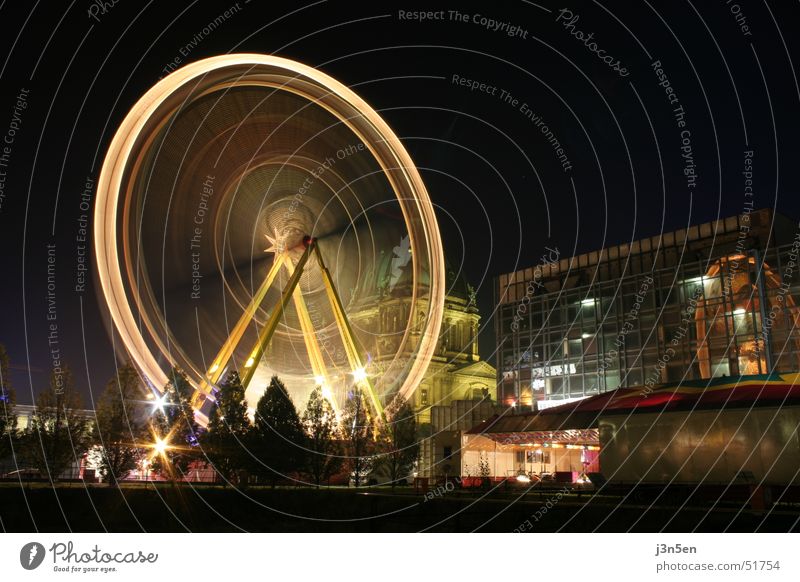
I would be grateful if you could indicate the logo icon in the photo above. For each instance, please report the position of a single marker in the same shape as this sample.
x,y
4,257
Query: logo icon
x,y
31,555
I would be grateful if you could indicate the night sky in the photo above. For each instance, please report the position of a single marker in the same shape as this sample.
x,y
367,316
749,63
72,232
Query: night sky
x,y
654,105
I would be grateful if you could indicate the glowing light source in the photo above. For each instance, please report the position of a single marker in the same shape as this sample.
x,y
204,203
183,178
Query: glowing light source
x,y
159,402
319,380
249,362
160,446
326,392
359,374
522,478
587,302
739,311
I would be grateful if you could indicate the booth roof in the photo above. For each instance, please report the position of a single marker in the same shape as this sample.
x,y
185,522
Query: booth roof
x,y
715,393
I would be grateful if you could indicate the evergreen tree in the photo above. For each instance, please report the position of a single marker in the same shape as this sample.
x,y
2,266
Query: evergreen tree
x,y
173,428
278,438
323,455
8,419
120,429
359,431
58,434
400,437
227,436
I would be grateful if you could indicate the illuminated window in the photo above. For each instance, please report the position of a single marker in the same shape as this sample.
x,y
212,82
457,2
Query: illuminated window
x,y
423,396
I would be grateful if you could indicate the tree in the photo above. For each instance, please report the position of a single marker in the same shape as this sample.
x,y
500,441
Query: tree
x,y
278,438
323,455
8,419
121,427
359,432
228,432
173,428
401,440
58,433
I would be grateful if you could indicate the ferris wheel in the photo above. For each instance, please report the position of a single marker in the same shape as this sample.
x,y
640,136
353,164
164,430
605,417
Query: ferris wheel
x,y
244,208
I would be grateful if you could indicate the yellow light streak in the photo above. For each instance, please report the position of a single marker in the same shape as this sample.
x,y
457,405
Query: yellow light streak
x,y
248,70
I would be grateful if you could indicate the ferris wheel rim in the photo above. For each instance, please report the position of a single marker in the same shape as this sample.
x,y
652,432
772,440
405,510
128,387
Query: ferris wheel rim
x,y
123,145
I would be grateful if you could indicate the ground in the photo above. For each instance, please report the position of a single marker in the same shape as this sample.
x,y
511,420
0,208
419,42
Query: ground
x,y
167,508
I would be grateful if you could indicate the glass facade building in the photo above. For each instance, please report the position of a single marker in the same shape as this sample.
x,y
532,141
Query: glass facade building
x,y
715,299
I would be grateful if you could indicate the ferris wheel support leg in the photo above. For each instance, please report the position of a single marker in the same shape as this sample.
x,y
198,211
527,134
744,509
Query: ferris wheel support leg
x,y
348,338
312,345
225,353
265,335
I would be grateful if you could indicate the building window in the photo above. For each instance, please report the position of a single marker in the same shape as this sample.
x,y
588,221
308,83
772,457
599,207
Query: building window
x,y
480,393
423,396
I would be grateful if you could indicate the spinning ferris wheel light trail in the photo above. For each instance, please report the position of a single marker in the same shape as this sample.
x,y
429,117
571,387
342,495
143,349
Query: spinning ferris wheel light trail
x,y
300,159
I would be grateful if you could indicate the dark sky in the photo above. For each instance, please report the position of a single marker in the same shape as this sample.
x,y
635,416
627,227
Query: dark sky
x,y
500,190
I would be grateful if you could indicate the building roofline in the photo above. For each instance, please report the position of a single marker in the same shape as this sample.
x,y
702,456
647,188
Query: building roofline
x,y
668,239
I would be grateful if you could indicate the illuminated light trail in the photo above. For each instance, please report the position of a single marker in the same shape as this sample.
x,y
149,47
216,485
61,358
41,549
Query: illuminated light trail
x,y
143,328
